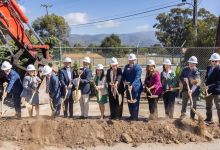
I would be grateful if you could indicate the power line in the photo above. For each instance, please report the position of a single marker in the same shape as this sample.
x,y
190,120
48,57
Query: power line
x,y
123,20
126,16
133,11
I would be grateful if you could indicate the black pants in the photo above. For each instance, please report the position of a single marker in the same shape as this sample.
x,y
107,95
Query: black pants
x,y
115,109
68,103
17,103
153,106
169,101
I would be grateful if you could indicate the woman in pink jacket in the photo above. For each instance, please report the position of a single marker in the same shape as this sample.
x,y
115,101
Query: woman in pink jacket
x,y
153,88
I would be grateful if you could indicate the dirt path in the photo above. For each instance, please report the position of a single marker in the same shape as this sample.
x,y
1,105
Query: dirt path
x,y
41,133
36,133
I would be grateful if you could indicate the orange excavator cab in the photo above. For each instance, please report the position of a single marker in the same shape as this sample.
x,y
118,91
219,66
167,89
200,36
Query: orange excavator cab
x,y
13,22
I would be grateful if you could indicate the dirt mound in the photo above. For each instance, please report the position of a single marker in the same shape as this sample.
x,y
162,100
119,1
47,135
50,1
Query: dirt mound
x,y
37,133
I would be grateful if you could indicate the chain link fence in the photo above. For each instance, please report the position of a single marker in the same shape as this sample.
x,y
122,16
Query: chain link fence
x,y
177,55
100,55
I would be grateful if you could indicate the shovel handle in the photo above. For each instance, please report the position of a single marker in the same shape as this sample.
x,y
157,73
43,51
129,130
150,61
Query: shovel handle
x,y
5,84
191,100
130,93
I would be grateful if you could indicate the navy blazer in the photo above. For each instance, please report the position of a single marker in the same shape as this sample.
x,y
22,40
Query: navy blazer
x,y
133,75
190,74
54,89
213,80
121,88
86,77
64,79
14,83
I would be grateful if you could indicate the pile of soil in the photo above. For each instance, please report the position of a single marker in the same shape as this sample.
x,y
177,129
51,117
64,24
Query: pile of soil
x,y
30,133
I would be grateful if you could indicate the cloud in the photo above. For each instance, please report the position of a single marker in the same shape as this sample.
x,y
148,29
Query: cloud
x,y
108,24
145,27
22,8
76,18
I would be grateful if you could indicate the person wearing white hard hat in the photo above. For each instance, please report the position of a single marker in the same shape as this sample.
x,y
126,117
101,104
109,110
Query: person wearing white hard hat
x,y
153,86
169,82
132,79
212,82
30,91
192,74
101,89
14,86
115,89
84,85
66,77
53,88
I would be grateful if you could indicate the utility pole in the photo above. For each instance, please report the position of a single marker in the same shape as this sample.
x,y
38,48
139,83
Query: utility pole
x,y
195,15
46,6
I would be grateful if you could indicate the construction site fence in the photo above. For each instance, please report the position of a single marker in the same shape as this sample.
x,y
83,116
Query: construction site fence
x,y
100,55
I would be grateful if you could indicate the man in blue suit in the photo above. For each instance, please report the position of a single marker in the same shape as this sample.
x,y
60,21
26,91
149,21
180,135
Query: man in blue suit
x,y
66,76
132,79
84,86
14,86
54,89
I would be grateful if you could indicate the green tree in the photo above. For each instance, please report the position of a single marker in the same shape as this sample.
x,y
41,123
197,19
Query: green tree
x,y
175,27
77,45
52,25
92,45
207,27
113,41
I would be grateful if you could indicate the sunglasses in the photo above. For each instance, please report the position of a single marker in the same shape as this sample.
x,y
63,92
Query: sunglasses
x,y
6,70
215,61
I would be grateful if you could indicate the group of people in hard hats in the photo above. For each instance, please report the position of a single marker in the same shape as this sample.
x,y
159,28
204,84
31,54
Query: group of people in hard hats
x,y
112,86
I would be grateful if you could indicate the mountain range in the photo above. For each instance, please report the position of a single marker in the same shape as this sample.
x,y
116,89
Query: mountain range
x,y
130,39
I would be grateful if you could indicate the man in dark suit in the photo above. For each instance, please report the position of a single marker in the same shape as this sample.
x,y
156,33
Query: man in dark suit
x,y
53,89
213,85
84,86
14,86
66,76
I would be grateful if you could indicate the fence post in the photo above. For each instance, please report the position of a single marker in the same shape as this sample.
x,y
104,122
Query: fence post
x,y
172,54
60,54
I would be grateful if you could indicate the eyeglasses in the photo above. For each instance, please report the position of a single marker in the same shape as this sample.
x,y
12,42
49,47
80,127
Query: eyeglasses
x,y
215,61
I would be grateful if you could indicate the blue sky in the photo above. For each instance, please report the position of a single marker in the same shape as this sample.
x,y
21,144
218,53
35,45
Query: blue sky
x,y
84,11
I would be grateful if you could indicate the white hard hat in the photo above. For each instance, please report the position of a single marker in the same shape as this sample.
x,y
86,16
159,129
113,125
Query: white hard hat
x,y
6,65
167,62
46,70
31,68
99,66
86,59
67,59
214,56
113,61
193,60
151,62
132,56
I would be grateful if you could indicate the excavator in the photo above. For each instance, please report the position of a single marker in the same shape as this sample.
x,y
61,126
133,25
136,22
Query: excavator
x,y
13,27
14,24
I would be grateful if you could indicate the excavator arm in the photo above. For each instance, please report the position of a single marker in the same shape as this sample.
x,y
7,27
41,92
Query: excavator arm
x,y
14,22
